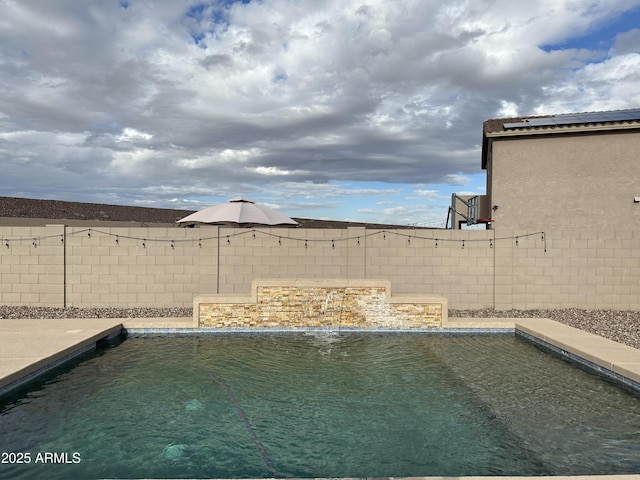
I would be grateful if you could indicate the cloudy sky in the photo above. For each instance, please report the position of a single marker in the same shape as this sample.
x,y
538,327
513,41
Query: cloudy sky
x,y
365,110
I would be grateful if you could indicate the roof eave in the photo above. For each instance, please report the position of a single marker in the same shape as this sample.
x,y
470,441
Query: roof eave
x,y
600,127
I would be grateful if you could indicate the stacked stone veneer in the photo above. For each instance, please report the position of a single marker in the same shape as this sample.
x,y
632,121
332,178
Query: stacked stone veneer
x,y
331,303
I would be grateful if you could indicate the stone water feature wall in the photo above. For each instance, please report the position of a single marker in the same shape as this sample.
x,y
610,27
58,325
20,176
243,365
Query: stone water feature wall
x,y
320,303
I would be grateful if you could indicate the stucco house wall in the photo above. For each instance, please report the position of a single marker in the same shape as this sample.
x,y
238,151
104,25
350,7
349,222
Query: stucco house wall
x,y
564,177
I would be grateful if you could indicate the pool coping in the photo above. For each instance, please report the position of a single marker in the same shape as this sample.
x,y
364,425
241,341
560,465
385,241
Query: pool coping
x,y
619,362
31,347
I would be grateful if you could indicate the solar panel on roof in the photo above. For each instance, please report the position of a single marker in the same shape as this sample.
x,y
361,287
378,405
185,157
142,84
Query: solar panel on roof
x,y
623,115
600,117
590,118
569,119
507,126
577,119
541,122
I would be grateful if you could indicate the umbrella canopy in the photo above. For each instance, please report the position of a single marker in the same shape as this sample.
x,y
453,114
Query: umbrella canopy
x,y
238,211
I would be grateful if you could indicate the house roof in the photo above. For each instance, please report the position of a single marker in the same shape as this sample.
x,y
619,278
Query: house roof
x,y
557,124
48,211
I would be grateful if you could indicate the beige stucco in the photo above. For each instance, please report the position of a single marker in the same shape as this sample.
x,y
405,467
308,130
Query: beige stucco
x,y
564,180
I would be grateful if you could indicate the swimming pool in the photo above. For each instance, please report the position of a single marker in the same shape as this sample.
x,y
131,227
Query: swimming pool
x,y
321,405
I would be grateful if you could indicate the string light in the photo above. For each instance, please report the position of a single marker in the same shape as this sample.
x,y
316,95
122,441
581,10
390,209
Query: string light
x,y
143,241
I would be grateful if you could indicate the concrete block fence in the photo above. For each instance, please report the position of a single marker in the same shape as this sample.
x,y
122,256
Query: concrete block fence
x,y
61,266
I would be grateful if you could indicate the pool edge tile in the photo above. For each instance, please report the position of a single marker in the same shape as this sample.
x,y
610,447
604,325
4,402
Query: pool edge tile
x,y
615,357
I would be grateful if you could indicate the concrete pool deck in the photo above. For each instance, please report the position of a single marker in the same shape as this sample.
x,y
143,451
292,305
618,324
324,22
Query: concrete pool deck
x,y
29,347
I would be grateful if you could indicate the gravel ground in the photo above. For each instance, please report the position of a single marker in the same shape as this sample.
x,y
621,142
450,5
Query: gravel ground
x,y
620,326
46,312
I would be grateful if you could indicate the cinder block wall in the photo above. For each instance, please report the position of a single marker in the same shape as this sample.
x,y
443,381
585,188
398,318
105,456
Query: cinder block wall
x,y
161,267
137,266
32,266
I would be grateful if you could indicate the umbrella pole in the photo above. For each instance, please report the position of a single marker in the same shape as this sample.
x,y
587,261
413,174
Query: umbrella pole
x,y
218,263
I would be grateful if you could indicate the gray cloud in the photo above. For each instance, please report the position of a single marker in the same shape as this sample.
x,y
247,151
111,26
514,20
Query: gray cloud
x,y
160,102
217,60
628,42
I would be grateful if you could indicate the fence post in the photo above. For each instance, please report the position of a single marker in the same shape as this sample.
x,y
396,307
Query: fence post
x,y
64,266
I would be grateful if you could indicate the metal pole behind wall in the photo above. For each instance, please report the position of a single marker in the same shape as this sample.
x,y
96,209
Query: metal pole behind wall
x,y
64,266
452,210
495,247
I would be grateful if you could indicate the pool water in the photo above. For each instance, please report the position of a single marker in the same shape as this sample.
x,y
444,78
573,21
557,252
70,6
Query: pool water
x,y
303,405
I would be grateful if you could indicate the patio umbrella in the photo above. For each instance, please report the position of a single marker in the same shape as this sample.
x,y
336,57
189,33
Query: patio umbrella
x,y
238,212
